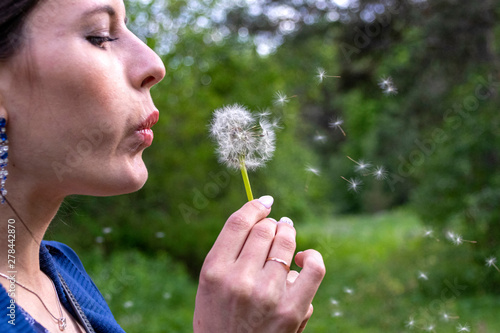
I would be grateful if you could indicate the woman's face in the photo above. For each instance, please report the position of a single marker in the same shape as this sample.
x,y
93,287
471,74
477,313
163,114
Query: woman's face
x,y
78,100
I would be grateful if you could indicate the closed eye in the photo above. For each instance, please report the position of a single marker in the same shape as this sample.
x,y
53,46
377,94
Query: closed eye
x,y
100,41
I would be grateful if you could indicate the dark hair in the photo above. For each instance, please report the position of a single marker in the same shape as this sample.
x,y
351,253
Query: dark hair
x,y
13,15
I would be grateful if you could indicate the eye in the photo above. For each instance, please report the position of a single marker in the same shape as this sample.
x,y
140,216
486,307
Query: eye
x,y
100,41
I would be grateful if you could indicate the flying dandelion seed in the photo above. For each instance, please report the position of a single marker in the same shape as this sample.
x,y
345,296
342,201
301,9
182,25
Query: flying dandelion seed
x,y
457,240
354,184
361,165
447,317
310,172
391,90
428,233
423,276
333,301
385,82
337,124
349,291
410,323
430,328
243,141
463,328
322,74
491,262
281,98
337,314
320,138
379,173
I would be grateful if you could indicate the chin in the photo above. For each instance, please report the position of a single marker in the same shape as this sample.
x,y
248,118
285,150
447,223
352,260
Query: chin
x,y
117,181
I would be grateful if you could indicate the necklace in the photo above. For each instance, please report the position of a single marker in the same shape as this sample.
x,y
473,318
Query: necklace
x,y
60,321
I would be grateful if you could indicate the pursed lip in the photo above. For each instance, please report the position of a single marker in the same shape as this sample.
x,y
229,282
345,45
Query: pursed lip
x,y
150,121
144,129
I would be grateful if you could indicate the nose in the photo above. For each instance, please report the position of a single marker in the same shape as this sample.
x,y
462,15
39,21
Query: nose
x,y
147,68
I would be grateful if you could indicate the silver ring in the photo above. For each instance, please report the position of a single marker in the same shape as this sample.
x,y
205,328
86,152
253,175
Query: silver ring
x,y
281,261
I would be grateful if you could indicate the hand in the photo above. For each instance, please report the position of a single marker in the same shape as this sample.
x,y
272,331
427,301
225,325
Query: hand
x,y
241,292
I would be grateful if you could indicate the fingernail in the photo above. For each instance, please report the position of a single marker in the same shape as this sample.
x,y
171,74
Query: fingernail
x,y
266,201
272,219
287,221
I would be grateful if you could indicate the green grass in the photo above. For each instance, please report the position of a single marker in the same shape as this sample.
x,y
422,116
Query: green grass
x,y
377,256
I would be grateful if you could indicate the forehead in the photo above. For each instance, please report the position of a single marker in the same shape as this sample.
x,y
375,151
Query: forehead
x,y
54,13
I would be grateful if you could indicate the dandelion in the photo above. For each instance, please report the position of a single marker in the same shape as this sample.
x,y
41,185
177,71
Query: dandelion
x,y
410,323
491,262
463,328
379,173
423,276
354,183
243,140
361,165
337,124
281,98
322,74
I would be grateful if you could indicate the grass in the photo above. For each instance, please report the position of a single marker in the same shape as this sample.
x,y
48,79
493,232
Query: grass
x,y
372,283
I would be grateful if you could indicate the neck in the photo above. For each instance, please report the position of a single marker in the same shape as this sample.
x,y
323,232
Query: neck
x,y
24,219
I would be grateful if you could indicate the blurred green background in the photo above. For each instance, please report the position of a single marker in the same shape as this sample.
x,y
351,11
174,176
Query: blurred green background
x,y
386,248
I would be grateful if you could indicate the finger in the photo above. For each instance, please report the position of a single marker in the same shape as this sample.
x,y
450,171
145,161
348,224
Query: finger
x,y
291,277
282,248
310,277
257,246
235,232
304,323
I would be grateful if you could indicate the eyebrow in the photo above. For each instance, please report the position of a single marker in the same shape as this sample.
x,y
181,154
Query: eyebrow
x,y
102,9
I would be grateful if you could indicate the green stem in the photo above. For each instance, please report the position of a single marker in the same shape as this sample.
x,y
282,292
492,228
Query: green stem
x,y
246,181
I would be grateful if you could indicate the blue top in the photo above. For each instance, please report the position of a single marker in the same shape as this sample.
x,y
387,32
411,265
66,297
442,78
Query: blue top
x,y
57,257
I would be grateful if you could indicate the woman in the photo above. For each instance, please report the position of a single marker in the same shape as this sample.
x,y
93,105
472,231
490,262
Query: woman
x,y
76,114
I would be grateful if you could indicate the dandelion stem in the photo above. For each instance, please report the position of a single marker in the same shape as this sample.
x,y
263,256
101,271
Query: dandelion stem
x,y
353,160
246,180
496,267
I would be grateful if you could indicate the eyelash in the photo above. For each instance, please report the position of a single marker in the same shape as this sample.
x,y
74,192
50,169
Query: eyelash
x,y
100,40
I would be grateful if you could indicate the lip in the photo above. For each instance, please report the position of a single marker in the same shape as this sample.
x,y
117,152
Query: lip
x,y
144,129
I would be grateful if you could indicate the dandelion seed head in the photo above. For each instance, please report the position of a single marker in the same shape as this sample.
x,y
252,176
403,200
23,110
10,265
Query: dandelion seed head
x,y
428,233
491,261
457,240
423,276
128,304
354,184
240,134
107,230
463,328
320,138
